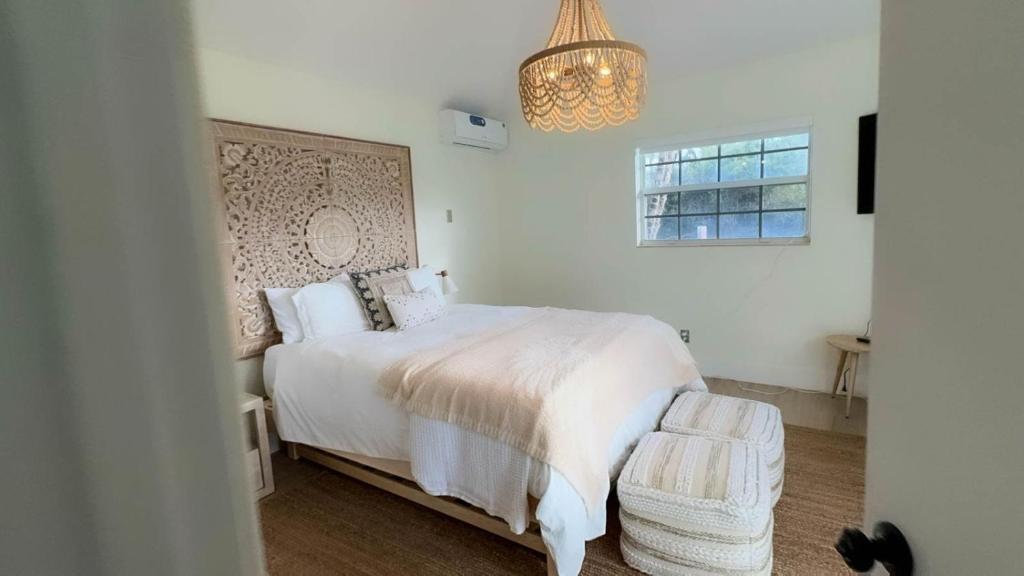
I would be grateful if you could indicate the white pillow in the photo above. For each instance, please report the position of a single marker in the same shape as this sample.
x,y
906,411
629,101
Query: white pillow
x,y
413,309
425,277
329,309
285,315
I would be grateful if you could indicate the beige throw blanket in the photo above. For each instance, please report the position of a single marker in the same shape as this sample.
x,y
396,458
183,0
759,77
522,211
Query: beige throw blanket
x,y
553,383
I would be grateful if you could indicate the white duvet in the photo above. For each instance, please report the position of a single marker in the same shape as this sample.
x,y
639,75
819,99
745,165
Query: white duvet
x,y
325,394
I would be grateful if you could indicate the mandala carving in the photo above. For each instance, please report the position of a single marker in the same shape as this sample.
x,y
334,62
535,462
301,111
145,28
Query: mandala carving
x,y
300,208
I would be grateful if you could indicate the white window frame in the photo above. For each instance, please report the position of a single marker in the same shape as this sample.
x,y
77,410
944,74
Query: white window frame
x,y
755,132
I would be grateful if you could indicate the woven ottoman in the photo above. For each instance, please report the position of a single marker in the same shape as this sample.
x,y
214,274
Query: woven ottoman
x,y
729,418
692,506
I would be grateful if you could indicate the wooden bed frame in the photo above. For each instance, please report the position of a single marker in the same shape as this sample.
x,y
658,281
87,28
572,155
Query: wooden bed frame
x,y
395,476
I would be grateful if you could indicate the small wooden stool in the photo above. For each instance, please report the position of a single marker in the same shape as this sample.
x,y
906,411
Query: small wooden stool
x,y
850,350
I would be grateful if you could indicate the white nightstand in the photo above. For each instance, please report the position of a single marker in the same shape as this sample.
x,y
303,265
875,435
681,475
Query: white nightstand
x,y
257,454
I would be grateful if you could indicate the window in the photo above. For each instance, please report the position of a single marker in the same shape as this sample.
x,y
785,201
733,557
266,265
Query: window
x,y
751,189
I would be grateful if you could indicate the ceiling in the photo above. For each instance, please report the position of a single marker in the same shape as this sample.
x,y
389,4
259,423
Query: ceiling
x,y
466,53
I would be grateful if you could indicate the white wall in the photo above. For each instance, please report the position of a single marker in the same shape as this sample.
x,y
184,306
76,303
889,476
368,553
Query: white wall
x,y
444,176
756,313
945,430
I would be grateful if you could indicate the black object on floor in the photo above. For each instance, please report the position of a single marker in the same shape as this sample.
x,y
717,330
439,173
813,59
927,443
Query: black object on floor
x,y
888,546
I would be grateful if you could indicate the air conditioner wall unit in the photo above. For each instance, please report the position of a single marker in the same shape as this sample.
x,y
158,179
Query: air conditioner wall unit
x,y
471,130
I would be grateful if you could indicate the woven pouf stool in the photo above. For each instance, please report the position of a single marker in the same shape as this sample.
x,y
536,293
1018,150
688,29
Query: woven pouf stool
x,y
729,418
695,506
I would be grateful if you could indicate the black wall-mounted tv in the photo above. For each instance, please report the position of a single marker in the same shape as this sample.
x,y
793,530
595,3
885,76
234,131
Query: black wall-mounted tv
x,y
866,164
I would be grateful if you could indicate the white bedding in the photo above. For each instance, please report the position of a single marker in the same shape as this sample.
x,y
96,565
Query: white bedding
x,y
325,394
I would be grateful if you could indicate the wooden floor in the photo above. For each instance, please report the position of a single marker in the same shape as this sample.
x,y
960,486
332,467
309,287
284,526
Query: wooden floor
x,y
320,523
800,407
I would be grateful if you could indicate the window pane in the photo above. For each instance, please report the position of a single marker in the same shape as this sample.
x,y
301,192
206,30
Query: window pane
x,y
699,227
661,176
792,163
745,147
660,157
785,224
738,226
792,141
741,168
699,202
741,199
700,152
662,204
700,172
707,211
785,196
661,228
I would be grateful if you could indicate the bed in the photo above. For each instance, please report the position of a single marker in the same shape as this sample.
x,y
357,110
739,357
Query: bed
x,y
300,208
326,399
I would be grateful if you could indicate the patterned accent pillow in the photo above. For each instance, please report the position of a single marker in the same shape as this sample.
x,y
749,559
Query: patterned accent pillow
x,y
373,285
411,310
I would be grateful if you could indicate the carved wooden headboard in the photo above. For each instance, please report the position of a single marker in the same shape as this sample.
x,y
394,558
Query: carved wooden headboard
x,y
301,208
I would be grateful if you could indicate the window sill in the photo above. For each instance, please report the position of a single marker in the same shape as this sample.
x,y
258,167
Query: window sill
x,y
804,241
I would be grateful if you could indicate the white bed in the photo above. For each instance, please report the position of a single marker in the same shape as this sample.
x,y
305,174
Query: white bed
x,y
325,395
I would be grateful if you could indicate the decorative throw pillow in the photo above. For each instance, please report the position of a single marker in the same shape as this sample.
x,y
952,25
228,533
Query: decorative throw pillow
x,y
411,310
373,285
423,278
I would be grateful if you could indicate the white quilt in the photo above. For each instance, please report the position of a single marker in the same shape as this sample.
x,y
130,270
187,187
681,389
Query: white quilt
x,y
326,394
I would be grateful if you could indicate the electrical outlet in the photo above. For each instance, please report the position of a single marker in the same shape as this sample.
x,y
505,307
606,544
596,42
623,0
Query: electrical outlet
x,y
685,335
449,216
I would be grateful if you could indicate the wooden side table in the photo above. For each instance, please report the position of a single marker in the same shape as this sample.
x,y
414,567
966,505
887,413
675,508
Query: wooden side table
x,y
850,350
257,454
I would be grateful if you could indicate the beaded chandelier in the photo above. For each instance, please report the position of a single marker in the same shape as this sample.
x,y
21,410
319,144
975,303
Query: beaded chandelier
x,y
585,77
